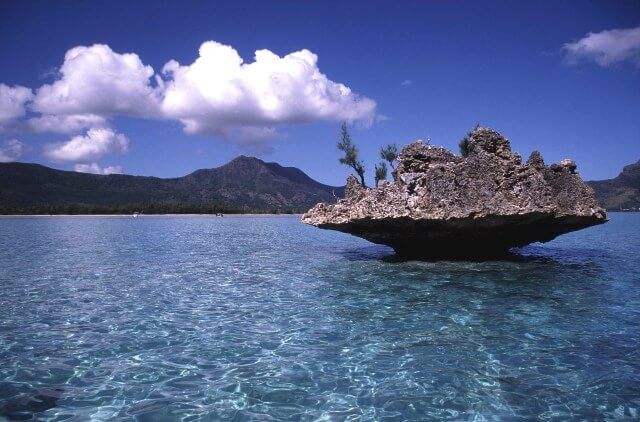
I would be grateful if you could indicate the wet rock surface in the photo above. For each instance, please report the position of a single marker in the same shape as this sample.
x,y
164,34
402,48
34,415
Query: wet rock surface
x,y
443,205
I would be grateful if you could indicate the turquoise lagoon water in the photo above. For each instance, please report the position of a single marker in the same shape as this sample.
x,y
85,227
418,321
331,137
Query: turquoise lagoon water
x,y
264,318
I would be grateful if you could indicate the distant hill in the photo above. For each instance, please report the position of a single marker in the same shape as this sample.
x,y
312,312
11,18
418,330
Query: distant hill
x,y
244,184
622,192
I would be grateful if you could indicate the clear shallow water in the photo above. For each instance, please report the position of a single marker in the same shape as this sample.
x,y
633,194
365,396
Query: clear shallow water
x,y
163,318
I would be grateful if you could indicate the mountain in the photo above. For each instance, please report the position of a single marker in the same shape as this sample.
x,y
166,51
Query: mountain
x,y
243,184
622,192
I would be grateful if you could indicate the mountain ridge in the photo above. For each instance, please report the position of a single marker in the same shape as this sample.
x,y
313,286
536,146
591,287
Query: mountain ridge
x,y
622,192
246,183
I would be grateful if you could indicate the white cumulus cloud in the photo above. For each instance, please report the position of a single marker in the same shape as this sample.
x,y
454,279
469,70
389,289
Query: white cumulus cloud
x,y
97,143
96,169
74,123
606,47
12,103
219,92
96,80
11,150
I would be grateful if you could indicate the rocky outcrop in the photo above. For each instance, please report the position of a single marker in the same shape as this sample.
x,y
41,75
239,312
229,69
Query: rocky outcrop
x,y
443,205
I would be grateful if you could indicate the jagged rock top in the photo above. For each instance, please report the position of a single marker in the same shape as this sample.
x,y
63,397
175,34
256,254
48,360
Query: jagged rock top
x,y
432,184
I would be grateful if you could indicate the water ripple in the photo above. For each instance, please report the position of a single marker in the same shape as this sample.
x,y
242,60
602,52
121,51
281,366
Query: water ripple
x,y
199,318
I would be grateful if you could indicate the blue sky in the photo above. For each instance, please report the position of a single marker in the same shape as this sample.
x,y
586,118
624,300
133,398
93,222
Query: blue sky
x,y
433,70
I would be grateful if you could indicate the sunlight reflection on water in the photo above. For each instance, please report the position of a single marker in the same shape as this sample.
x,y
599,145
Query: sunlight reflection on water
x,y
239,318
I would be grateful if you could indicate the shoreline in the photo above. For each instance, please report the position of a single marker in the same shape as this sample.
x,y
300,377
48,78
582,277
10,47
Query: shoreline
x,y
244,215
146,215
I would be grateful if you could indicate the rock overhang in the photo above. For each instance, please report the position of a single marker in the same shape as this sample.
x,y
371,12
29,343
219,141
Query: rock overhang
x,y
441,204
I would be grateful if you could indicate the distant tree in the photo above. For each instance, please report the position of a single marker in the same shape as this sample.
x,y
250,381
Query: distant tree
x,y
464,142
350,153
389,153
381,172
464,146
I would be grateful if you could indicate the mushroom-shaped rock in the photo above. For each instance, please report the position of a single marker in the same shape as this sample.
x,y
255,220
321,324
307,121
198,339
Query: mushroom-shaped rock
x,y
442,205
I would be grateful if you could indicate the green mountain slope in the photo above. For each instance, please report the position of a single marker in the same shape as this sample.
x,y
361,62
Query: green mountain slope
x,y
622,192
245,183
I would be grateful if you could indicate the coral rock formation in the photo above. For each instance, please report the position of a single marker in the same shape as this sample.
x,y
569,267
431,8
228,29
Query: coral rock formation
x,y
483,204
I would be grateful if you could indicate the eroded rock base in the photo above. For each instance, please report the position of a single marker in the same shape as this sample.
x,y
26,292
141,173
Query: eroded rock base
x,y
489,237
